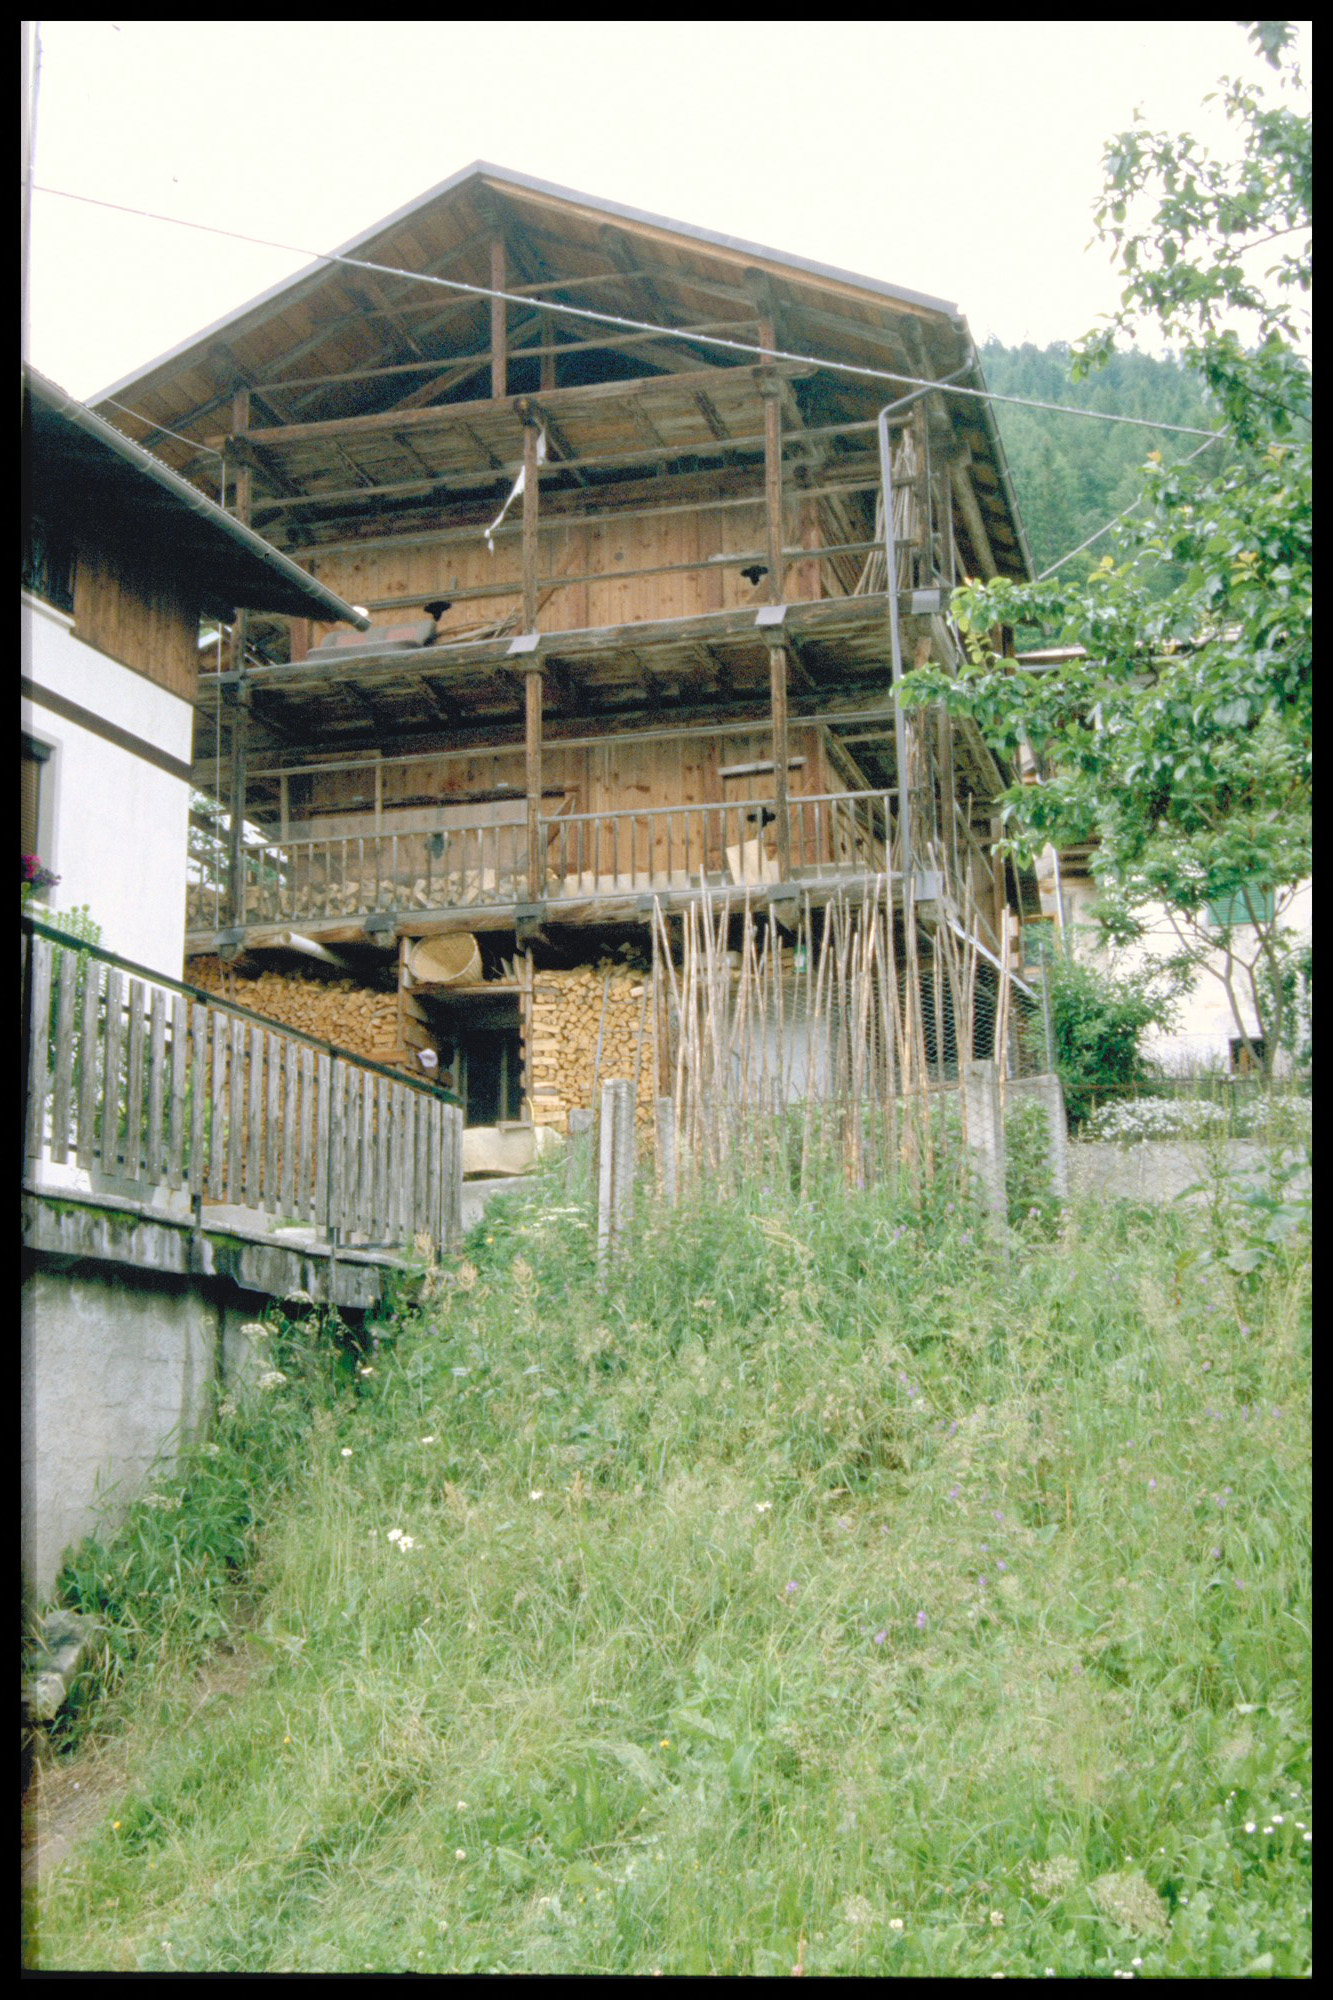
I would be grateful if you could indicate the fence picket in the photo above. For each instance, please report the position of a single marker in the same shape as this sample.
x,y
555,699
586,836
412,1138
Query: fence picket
x,y
253,1135
366,1197
290,1106
322,1079
305,1173
217,1147
157,1048
115,1023
408,1192
64,1056
199,1133
271,1117
176,1143
382,1147
235,1110
39,1043
333,1151
88,1064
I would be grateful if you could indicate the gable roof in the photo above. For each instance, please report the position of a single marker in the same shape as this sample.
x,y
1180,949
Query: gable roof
x,y
297,346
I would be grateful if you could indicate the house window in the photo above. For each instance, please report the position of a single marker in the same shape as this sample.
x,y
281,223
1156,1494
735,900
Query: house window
x,y
34,785
48,565
1246,906
1247,1057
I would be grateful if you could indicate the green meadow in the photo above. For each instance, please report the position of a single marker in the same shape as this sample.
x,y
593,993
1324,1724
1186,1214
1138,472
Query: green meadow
x,y
822,1591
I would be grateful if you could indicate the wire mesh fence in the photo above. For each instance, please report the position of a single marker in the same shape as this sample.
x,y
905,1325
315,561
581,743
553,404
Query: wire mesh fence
x,y
850,1040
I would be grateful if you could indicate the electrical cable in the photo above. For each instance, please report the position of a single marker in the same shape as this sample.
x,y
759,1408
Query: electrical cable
x,y
632,325
1122,516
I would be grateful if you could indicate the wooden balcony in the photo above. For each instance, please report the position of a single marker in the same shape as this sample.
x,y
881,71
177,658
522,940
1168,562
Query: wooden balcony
x,y
423,876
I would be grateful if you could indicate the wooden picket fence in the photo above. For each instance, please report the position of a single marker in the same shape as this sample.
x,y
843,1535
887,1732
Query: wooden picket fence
x,y
149,1084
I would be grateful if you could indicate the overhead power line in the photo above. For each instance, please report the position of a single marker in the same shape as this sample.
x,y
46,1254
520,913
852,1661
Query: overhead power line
x,y
632,325
1123,515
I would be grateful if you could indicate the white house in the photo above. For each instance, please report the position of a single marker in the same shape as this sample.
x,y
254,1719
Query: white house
x,y
121,558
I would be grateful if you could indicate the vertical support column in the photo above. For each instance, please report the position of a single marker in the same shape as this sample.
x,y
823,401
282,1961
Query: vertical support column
x,y
499,339
548,360
240,730
905,830
615,1175
777,678
985,1137
532,692
924,565
666,1147
1047,1088
240,423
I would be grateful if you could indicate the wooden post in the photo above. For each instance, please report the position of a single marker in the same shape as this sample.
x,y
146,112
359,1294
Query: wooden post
x,y
923,565
240,423
532,703
499,348
777,675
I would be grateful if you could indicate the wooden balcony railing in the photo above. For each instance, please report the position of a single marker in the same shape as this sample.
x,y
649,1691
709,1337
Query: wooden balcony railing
x,y
149,1085
672,847
588,856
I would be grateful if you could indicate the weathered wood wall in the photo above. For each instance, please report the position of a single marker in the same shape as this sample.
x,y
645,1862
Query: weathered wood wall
x,y
608,547
127,609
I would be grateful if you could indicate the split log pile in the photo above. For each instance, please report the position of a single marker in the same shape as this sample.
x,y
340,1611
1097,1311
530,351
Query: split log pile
x,y
569,1012
355,1018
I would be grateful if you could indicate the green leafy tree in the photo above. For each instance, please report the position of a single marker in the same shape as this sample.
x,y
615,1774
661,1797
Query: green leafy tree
x,y
1179,741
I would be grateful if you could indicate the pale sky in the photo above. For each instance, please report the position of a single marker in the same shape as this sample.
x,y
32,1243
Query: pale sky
x,y
959,159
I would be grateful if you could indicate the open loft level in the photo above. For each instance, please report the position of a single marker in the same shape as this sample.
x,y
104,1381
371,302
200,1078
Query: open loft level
x,y
640,603
547,832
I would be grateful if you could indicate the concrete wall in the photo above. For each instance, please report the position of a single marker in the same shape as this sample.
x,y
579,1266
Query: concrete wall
x,y
1157,1170
114,825
118,1370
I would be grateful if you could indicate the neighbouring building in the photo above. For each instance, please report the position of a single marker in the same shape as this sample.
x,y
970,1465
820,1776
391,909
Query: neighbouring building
x,y
122,557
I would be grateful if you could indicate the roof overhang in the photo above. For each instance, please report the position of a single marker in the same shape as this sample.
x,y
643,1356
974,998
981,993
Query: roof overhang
x,y
81,472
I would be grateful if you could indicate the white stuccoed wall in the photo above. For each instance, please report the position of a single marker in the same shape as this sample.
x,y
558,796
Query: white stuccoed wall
x,y
115,827
1205,1025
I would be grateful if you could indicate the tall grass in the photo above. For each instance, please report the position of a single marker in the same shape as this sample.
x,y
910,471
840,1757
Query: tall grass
x,y
822,1591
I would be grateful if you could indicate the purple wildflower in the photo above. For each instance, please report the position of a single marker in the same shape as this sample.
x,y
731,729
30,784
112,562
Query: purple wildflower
x,y
920,1621
879,1638
790,1591
1000,1565
1152,1485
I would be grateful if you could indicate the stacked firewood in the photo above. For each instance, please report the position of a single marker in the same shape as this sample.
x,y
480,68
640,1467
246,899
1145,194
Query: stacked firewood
x,y
589,1025
355,1018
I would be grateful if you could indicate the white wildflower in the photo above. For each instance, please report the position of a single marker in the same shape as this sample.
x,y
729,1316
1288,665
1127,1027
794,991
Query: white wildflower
x,y
272,1378
763,1507
395,1535
347,1451
255,1329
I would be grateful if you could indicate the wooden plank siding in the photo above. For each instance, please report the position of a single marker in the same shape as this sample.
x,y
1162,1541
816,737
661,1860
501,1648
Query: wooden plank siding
x,y
125,608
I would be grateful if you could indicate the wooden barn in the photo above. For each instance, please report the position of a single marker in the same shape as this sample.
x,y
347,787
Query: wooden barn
x,y
641,587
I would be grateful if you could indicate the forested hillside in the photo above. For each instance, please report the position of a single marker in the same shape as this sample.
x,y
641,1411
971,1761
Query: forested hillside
x,y
1072,474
